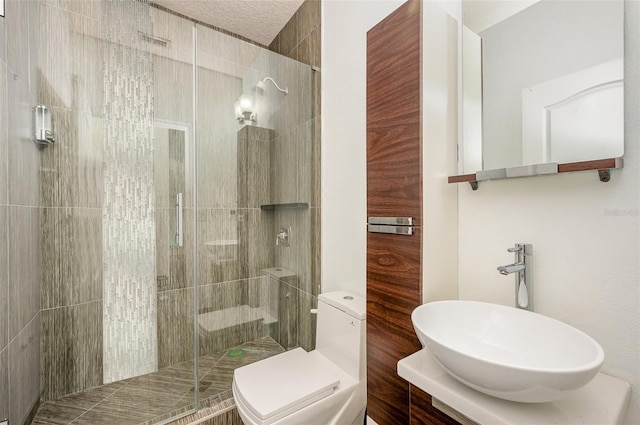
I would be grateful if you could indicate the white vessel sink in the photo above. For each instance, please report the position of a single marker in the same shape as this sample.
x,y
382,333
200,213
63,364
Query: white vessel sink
x,y
506,352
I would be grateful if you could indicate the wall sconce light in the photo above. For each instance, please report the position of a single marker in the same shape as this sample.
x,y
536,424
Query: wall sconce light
x,y
42,129
244,111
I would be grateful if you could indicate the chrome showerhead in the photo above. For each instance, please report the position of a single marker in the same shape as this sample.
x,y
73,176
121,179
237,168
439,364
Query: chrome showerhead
x,y
262,85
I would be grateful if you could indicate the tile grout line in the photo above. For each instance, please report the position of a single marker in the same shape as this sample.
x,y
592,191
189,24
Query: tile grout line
x,y
21,331
100,402
70,305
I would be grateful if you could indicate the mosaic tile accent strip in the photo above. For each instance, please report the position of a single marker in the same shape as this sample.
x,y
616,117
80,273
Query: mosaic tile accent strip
x,y
129,325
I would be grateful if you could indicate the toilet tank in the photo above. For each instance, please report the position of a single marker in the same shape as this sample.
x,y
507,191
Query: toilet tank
x,y
341,331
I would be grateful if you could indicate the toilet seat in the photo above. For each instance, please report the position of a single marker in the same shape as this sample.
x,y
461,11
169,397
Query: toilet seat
x,y
278,386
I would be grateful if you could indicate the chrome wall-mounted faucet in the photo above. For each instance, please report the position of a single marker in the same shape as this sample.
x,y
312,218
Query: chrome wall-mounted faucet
x,y
523,269
282,237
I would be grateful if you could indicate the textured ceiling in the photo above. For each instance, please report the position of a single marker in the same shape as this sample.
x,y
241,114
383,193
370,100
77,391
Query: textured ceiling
x,y
257,20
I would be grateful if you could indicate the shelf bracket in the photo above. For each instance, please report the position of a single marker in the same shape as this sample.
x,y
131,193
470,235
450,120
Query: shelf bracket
x,y
474,185
605,175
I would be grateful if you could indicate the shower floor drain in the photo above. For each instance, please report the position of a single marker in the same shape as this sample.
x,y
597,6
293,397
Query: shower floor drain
x,y
234,354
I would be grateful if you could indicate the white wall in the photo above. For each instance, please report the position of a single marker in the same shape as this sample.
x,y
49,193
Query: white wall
x,y
471,151
585,236
344,179
439,135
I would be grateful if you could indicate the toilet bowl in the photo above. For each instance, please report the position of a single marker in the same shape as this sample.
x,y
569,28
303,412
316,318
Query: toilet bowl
x,y
323,386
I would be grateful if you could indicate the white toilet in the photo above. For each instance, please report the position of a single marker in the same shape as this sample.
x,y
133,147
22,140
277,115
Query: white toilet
x,y
323,386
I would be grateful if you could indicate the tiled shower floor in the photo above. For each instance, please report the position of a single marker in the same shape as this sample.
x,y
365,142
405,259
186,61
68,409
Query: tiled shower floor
x,y
156,396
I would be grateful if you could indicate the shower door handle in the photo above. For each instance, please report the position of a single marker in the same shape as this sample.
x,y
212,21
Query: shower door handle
x,y
179,237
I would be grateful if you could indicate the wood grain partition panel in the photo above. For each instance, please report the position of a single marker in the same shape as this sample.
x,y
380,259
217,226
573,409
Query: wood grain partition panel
x,y
394,189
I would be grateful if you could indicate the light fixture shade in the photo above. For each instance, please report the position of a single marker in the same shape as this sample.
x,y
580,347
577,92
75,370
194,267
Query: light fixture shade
x,y
246,104
244,110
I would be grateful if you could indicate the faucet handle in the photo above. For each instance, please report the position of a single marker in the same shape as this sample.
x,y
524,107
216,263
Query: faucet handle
x,y
515,249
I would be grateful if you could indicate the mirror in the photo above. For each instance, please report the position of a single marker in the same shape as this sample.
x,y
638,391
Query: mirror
x,y
172,171
542,82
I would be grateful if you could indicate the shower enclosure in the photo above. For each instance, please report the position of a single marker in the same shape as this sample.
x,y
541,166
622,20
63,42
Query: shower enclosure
x,y
179,210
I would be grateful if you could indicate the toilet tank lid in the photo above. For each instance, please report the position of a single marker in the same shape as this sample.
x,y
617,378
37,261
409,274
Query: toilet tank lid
x,y
286,382
351,304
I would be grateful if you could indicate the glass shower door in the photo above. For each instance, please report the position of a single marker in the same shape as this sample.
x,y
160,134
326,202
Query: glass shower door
x,y
117,292
256,207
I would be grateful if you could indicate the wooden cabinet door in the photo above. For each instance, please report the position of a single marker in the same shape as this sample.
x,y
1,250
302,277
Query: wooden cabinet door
x,y
394,162
393,291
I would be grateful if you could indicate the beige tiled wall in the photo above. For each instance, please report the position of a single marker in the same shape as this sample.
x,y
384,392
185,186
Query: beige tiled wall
x,y
254,225
300,37
20,260
71,197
